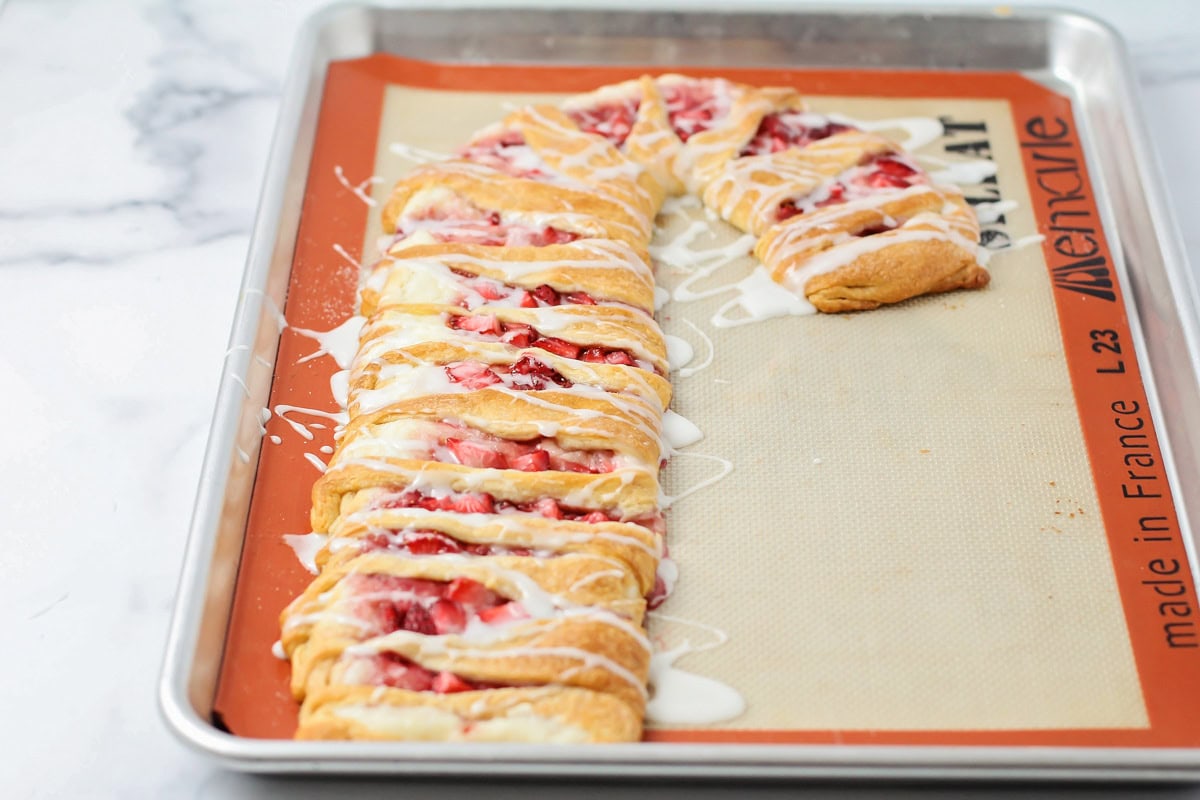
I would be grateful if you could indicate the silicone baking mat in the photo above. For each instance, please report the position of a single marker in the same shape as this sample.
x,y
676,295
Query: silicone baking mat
x,y
946,521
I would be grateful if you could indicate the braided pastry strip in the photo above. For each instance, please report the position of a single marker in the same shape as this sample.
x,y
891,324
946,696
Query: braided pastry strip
x,y
477,585
510,620
387,371
435,196
397,529
606,271
543,714
879,249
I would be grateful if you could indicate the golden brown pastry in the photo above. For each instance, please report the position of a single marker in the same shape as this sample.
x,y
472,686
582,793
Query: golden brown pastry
x,y
386,371
464,201
680,128
582,272
492,505
443,621
878,249
542,714
542,143
755,192
592,334
417,530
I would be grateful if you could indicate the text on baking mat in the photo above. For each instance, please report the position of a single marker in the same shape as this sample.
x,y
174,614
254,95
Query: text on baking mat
x,y
1077,263
1143,481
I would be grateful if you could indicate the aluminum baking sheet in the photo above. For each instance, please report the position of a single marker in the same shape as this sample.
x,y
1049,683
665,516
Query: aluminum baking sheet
x,y
1104,690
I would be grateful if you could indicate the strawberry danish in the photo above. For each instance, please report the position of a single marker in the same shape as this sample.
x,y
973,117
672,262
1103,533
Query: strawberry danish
x,y
493,503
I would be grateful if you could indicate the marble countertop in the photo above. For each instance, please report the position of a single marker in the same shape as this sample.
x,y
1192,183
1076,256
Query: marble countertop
x,y
134,141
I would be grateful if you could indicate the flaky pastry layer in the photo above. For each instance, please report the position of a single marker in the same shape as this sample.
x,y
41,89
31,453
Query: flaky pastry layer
x,y
927,246
542,714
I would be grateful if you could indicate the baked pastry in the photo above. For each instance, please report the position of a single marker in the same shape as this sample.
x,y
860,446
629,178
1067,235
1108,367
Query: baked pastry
x,y
583,272
756,192
680,129
492,505
464,201
879,248
560,715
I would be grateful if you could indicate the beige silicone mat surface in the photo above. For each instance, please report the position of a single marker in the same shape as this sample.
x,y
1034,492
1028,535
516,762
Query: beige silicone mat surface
x,y
909,537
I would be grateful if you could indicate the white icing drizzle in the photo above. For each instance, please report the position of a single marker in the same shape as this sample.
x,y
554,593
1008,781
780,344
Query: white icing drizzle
x,y
987,213
349,259
668,574
666,501
688,371
705,262
679,431
429,280
918,131
268,303
965,173
306,546
340,343
606,254
278,651
661,298
339,387
962,171
1018,244
679,697
282,410
417,155
679,352
238,380
701,263
675,251
602,161
759,297
599,575
320,465
679,203
641,229
358,189
514,525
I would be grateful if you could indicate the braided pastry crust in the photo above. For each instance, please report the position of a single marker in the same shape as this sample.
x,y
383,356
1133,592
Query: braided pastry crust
x,y
923,242
605,270
543,714
492,503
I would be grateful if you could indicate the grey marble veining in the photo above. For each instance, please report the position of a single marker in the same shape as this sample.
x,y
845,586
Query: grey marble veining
x,y
133,139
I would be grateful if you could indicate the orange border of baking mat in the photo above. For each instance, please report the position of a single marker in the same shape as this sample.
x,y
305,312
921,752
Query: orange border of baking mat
x,y
252,697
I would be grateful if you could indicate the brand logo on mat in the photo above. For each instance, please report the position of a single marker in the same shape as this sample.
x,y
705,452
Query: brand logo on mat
x,y
1059,182
1091,277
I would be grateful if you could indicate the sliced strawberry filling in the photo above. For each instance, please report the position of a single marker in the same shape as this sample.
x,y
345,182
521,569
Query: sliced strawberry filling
x,y
495,292
425,542
464,222
388,603
786,129
526,373
693,107
458,444
613,121
397,672
482,503
874,230
518,334
507,152
884,172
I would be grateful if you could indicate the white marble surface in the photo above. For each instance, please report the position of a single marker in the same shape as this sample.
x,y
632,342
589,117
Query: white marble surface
x,y
132,146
